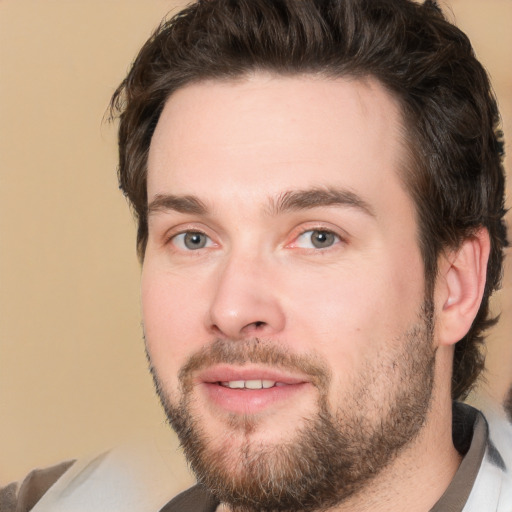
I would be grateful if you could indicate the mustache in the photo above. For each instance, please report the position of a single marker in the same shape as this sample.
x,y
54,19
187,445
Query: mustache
x,y
255,351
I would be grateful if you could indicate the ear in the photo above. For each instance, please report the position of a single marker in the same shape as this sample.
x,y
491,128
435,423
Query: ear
x,y
460,286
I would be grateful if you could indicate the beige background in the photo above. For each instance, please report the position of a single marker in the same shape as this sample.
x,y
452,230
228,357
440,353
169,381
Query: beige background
x,y
73,378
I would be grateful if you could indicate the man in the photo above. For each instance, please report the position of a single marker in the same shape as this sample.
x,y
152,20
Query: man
x,y
319,190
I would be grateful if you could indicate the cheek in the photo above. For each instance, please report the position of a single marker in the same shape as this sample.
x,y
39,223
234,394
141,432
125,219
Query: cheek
x,y
337,301
332,315
353,309
172,320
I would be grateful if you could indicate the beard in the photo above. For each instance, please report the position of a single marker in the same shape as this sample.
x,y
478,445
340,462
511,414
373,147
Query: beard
x,y
333,454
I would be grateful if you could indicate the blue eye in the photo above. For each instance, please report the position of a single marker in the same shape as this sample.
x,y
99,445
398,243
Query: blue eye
x,y
316,239
192,240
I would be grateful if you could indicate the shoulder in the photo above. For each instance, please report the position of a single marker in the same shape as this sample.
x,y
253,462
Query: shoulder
x,y
23,496
493,486
500,435
134,477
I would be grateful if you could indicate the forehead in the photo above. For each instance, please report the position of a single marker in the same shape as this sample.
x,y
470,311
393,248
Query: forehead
x,y
264,133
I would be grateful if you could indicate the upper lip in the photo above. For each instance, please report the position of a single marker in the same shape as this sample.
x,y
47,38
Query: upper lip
x,y
228,373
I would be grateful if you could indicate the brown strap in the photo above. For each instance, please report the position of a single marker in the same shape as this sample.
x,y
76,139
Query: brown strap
x,y
195,499
457,494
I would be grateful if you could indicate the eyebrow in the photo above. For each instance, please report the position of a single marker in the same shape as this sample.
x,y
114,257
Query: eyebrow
x,y
182,204
291,200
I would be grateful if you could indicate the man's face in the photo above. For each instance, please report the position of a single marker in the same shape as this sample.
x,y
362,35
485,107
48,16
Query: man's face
x,y
282,286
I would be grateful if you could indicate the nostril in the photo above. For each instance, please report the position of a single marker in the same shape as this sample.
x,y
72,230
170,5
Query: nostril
x,y
254,327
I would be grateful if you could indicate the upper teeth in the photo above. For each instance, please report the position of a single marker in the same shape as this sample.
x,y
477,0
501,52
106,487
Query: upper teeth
x,y
249,384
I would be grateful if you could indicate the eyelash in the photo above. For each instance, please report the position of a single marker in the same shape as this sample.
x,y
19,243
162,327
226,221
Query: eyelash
x,y
310,229
318,229
171,239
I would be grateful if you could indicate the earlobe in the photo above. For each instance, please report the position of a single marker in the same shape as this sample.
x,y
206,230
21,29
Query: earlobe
x,y
460,287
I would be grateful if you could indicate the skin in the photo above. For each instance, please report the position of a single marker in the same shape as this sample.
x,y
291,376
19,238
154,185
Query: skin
x,y
238,147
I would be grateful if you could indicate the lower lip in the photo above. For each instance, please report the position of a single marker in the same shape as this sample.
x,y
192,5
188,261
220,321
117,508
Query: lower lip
x,y
250,401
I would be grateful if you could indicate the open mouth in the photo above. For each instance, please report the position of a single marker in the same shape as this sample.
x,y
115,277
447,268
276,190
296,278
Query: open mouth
x,y
249,389
251,384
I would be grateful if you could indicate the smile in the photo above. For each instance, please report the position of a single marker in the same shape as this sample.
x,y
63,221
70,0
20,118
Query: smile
x,y
251,384
250,389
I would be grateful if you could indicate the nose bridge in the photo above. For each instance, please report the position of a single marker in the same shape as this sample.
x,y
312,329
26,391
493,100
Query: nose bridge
x,y
244,302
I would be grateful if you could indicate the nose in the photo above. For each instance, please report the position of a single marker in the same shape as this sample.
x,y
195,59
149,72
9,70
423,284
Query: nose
x,y
245,302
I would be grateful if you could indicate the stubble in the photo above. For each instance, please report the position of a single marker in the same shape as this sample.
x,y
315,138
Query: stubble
x,y
333,454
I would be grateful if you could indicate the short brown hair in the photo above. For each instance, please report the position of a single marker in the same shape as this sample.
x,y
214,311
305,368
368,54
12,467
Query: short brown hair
x,y
456,178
